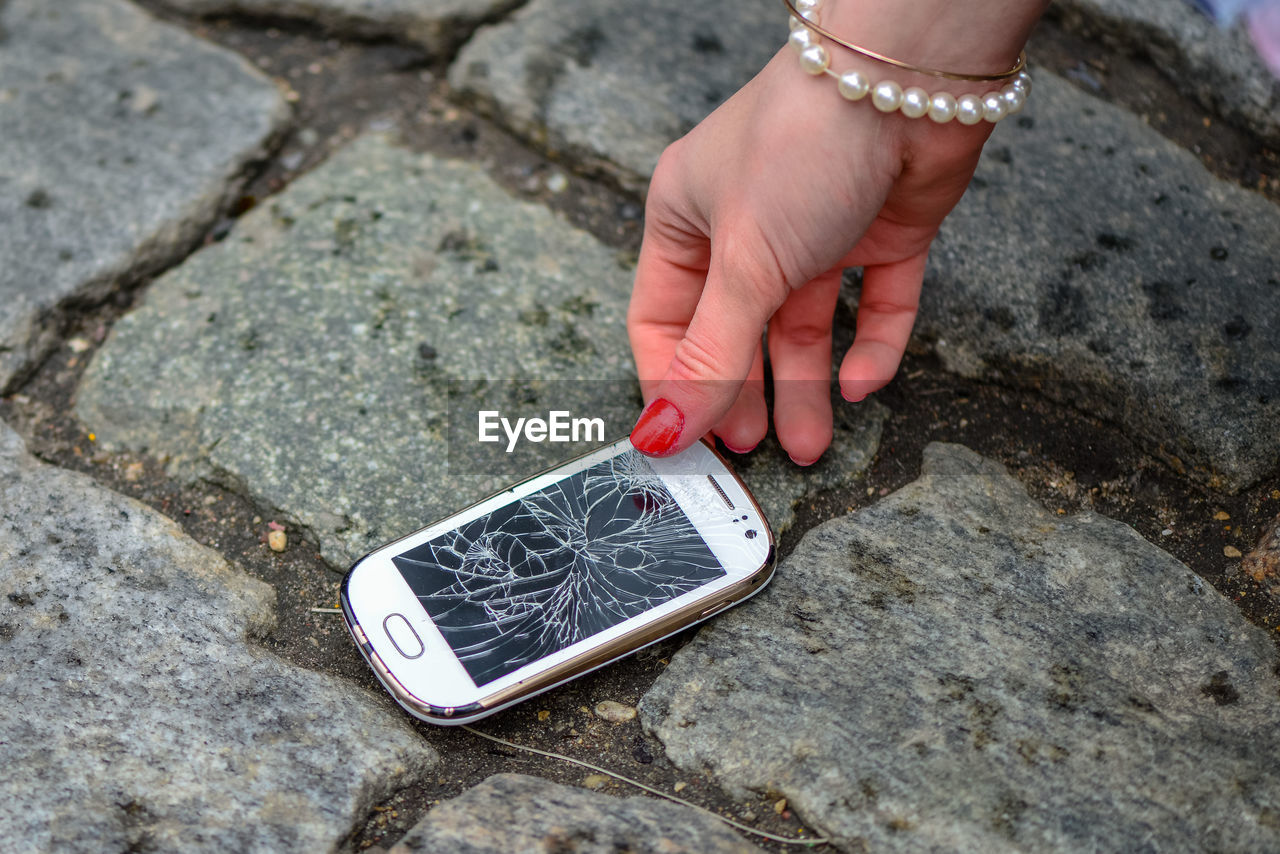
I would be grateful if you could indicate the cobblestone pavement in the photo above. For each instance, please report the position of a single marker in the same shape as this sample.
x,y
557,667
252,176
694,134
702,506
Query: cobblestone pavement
x,y
246,246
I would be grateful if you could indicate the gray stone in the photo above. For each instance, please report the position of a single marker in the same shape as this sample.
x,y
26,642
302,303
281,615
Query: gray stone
x,y
308,359
1219,68
138,716
438,25
1099,262
957,669
326,357
123,138
609,83
514,812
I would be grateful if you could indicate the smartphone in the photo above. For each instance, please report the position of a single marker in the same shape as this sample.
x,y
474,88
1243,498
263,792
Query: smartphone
x,y
552,578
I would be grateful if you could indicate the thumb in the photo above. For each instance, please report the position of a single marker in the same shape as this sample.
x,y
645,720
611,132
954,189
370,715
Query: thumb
x,y
712,360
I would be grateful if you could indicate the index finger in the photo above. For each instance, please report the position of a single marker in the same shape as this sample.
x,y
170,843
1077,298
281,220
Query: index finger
x,y
670,276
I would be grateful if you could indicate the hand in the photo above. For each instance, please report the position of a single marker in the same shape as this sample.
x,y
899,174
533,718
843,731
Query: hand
x,y
750,221
752,217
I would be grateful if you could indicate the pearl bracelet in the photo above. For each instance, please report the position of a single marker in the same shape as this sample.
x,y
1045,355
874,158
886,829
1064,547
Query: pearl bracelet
x,y
888,96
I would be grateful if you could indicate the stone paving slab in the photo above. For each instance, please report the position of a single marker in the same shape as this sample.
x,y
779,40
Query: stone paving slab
x,y
1101,263
137,714
515,812
123,137
312,359
957,669
611,82
1219,68
438,25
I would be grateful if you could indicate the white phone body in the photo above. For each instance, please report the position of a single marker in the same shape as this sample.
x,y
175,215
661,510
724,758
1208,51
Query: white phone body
x,y
533,599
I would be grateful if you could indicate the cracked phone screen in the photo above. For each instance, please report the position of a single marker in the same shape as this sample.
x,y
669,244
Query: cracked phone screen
x,y
557,566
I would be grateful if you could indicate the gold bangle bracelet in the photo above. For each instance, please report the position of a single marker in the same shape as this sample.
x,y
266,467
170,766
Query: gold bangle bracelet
x,y
897,63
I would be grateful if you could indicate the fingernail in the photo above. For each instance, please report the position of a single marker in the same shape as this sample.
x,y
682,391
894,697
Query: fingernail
x,y
801,462
658,429
852,399
731,449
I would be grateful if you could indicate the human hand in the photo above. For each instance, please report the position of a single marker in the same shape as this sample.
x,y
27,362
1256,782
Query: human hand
x,y
750,220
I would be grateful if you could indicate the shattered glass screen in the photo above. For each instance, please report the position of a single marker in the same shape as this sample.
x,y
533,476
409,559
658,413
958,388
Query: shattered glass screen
x,y
558,566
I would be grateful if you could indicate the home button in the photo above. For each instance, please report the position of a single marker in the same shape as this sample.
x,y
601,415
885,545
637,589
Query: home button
x,y
402,636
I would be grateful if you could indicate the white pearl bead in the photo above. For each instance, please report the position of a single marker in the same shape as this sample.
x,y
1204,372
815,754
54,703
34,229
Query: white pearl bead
x,y
887,96
1014,100
795,23
801,39
808,5
969,109
853,85
993,107
1023,82
942,107
814,60
915,102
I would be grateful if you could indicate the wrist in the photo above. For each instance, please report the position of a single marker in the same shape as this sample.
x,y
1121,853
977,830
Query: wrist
x,y
1004,84
964,36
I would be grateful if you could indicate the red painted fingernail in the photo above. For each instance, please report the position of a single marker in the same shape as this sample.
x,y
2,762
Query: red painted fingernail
x,y
658,429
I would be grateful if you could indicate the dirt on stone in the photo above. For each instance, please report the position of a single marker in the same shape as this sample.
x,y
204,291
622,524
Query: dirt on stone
x,y
1069,461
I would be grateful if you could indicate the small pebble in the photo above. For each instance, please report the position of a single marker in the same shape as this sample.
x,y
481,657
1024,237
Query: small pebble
x,y
596,781
1263,563
1232,551
614,712
781,806
144,99
543,714
78,345
277,540
1222,516
748,816
679,787
557,182
1167,532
